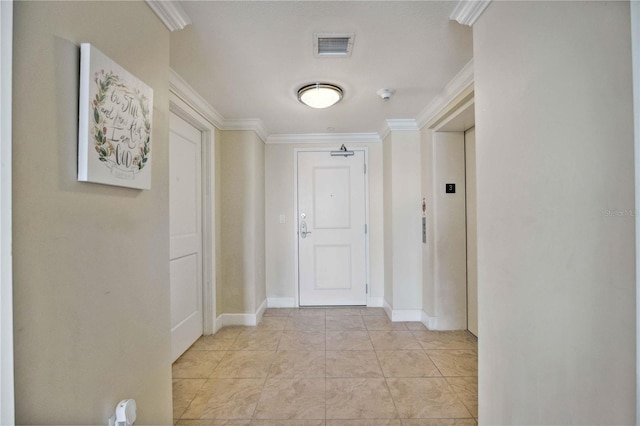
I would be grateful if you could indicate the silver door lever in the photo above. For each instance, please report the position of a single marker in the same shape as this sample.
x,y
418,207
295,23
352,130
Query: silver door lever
x,y
303,229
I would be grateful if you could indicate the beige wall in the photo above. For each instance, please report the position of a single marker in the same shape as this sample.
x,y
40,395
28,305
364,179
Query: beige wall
x,y
242,222
91,271
428,248
402,220
556,269
280,238
450,260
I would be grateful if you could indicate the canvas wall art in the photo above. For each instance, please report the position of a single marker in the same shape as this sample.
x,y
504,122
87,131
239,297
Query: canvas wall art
x,y
114,137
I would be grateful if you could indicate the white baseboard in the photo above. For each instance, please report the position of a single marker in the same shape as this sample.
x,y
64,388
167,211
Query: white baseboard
x,y
260,312
387,308
429,322
218,324
225,320
281,302
401,315
375,302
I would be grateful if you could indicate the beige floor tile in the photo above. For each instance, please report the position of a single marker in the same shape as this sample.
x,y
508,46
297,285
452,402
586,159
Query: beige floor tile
x,y
308,312
184,390
439,422
296,422
467,390
359,398
446,339
353,364
272,323
225,399
455,362
257,340
415,326
367,422
348,341
372,312
244,364
345,323
342,311
306,323
277,312
393,340
231,331
302,340
195,364
383,324
214,342
414,363
297,364
292,399
214,422
426,398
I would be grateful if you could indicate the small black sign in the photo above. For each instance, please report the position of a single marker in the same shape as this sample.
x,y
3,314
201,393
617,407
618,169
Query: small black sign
x,y
450,188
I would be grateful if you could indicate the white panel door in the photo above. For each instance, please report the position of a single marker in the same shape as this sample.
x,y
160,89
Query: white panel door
x,y
331,229
472,231
185,147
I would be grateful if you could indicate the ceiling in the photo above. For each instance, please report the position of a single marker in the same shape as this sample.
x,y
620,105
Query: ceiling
x,y
247,59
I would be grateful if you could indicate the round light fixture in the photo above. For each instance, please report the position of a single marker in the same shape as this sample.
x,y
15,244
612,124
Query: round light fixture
x,y
320,95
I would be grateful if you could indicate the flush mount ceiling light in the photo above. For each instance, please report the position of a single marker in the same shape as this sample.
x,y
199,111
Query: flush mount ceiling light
x,y
320,95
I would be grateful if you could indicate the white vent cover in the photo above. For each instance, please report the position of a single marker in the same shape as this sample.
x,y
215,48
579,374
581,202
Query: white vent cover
x,y
336,45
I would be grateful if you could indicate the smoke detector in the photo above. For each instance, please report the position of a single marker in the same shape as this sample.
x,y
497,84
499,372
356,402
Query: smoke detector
x,y
385,94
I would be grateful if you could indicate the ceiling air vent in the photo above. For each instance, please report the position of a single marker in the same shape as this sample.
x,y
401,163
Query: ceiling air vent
x,y
333,45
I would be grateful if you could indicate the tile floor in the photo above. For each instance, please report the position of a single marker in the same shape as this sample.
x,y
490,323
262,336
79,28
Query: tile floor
x,y
333,366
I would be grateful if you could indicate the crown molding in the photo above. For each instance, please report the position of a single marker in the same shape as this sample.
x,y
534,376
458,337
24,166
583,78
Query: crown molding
x,y
254,124
170,13
184,91
398,124
324,138
463,81
467,12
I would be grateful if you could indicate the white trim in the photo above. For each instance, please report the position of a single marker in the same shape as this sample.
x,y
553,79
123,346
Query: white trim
x,y
7,398
467,12
402,124
184,91
170,13
281,302
254,124
449,116
387,308
324,138
375,302
244,319
295,221
184,110
218,323
429,322
402,315
463,81
635,54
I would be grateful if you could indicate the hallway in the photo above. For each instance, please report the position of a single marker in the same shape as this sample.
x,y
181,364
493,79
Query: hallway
x,y
328,366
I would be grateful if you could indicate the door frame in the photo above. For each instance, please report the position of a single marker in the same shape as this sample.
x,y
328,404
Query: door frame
x,y
191,115
7,398
296,260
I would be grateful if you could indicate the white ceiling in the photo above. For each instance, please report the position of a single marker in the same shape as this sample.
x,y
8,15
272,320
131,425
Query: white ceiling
x,y
247,59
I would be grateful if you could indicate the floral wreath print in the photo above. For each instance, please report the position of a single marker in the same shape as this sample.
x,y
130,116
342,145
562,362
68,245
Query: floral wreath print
x,y
131,159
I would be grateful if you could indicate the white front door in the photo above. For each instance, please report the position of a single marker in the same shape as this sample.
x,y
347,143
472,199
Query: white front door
x,y
185,217
331,229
